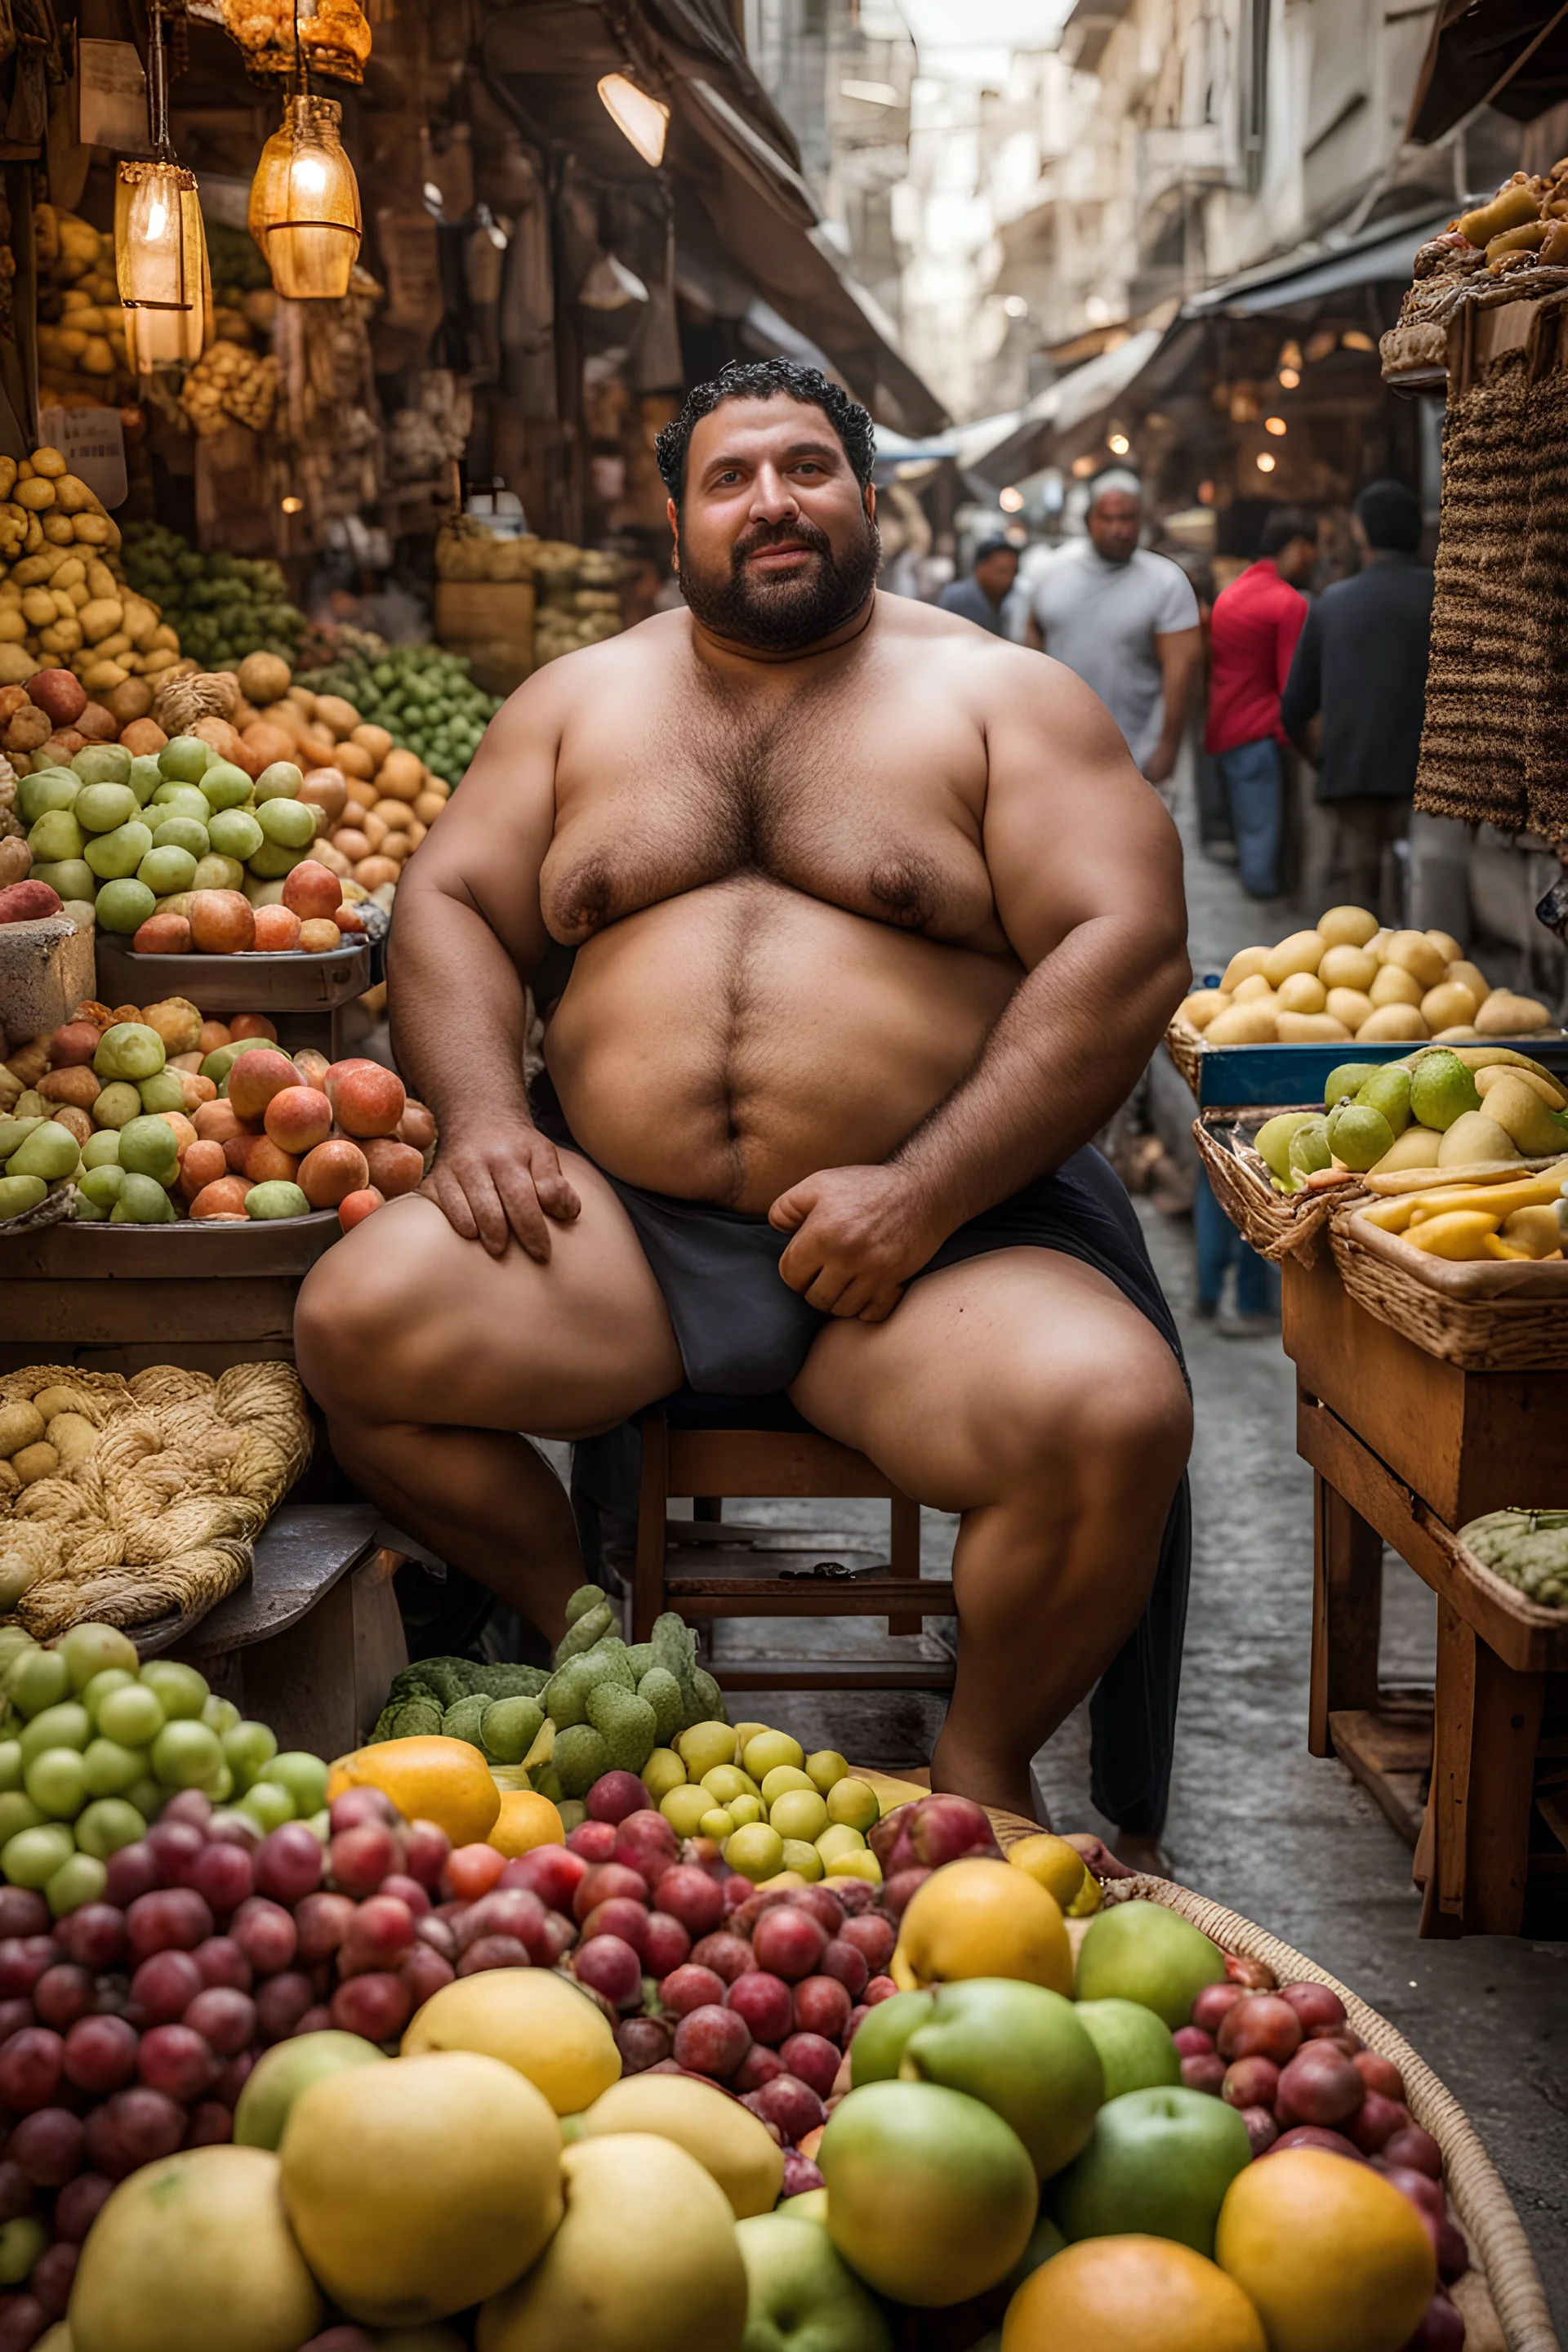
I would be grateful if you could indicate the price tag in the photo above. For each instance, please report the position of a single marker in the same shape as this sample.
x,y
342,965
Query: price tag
x,y
113,97
92,443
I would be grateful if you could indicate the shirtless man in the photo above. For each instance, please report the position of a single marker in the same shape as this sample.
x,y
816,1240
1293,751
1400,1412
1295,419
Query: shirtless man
x,y
876,924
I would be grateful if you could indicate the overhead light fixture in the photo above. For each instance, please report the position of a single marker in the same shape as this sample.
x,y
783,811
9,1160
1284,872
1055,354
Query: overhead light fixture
x,y
1117,444
304,203
1083,466
1275,424
159,248
1290,378
636,115
1356,341
291,505
1010,500
1014,306
1265,463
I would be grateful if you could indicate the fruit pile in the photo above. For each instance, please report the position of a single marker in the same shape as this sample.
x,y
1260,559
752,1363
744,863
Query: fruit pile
x,y
1529,1549
1471,1108
1489,1216
1352,978
223,607
61,599
421,695
82,358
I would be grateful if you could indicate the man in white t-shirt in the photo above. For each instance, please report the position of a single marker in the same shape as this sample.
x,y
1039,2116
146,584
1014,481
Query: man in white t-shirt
x,y
1126,621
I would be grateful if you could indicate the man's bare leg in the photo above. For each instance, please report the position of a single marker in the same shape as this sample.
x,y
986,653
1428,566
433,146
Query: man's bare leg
x,y
1023,1391
428,1355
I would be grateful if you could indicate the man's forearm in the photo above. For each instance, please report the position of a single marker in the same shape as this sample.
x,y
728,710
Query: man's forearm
x,y
454,980
1049,1079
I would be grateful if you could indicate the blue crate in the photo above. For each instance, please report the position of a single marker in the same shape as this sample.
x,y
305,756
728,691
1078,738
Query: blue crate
x,y
1230,1076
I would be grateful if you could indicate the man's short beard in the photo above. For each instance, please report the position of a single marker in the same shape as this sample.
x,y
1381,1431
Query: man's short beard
x,y
782,615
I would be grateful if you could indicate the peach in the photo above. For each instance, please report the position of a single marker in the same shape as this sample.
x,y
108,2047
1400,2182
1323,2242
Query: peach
x,y
217,1122
367,1099
312,1068
196,1090
225,1198
60,696
417,1126
214,1035
276,930
75,1042
201,1164
185,1133
333,1170
225,740
221,923
357,1206
319,935
349,920
299,1118
394,1167
236,1150
250,1025
256,1077
162,935
265,743
267,1164
312,889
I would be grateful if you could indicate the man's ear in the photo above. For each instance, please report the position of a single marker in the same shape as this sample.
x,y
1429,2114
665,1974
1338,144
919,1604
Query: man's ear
x,y
871,501
673,513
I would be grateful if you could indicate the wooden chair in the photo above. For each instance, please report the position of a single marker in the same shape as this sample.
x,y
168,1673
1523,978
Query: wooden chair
x,y
708,1567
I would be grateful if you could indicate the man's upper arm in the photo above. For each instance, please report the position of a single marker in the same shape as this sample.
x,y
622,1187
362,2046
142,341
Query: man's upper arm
x,y
1176,605
1303,696
487,848
1072,832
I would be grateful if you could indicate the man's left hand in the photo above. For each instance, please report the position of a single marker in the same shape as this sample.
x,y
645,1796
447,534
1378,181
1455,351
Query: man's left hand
x,y
1158,766
860,1233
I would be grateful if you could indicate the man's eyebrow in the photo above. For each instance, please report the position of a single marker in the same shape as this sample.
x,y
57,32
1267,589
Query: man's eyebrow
x,y
795,449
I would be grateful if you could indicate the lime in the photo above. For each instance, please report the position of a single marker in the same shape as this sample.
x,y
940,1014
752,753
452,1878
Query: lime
x,y
162,1091
56,1782
108,1825
186,1755
115,856
1442,1090
267,1804
276,1198
289,822
853,1801
234,833
103,808
66,1726
147,1147
1358,1134
39,1678
185,760
133,1716
167,870
246,1749
181,1691
123,906
79,1880
826,1766
129,1050
32,1857
145,777
91,1650
177,799
182,833
756,1852
224,785
300,1774
281,781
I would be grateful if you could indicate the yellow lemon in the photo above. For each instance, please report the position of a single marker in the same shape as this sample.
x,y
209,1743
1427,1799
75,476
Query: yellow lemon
x,y
826,1766
859,1863
769,1748
756,1852
1140,2294
727,1780
663,1771
852,1802
717,1824
782,1776
1052,1863
704,1746
839,1839
978,1917
683,1808
802,1859
1334,2257
526,1820
798,1814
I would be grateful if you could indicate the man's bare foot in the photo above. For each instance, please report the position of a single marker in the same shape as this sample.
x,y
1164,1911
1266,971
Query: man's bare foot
x,y
1140,1853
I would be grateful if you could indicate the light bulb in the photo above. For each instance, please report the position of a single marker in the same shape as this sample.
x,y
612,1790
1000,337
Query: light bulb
x,y
304,204
161,264
1265,464
642,118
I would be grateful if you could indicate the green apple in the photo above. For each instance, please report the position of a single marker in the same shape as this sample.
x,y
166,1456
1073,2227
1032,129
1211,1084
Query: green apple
x,y
1140,1951
801,2295
930,2196
1135,2047
877,2051
1021,2051
281,2075
1157,2165
187,760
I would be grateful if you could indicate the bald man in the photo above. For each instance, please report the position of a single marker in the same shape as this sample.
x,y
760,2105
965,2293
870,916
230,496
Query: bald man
x,y
1126,621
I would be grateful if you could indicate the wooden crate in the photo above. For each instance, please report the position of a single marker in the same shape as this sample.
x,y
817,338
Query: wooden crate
x,y
490,623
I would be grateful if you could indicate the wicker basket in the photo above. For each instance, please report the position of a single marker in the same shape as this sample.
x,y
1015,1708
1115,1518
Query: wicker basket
x,y
1503,2302
1277,1224
1484,1315
1184,1045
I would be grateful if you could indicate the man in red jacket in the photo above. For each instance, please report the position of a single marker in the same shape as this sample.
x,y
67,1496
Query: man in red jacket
x,y
1256,621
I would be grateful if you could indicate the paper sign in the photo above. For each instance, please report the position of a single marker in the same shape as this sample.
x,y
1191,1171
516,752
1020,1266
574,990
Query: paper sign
x,y
113,97
92,443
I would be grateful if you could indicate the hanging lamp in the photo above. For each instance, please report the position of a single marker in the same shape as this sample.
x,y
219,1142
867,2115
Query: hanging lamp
x,y
160,247
304,203
636,113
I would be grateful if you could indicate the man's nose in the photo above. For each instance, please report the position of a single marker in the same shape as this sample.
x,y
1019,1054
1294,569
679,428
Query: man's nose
x,y
772,497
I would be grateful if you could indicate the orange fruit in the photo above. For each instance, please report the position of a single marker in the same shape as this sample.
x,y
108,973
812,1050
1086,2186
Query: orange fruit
x,y
1139,2295
526,1820
1335,2258
979,1917
428,1780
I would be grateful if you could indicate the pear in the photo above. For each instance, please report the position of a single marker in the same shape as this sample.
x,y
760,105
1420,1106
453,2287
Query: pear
x,y
1516,1106
1388,1091
1551,1094
1441,1090
1475,1141
1416,1148
1348,1079
1273,1139
1359,1135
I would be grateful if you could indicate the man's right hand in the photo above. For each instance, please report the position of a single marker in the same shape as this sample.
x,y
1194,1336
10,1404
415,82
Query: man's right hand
x,y
493,1181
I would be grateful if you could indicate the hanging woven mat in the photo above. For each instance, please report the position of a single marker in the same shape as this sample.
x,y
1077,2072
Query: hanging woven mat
x,y
1185,1046
163,1482
1277,1224
1483,1315
1503,2302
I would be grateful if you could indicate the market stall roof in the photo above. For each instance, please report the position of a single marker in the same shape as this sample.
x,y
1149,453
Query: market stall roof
x,y
1511,54
1066,408
730,157
1380,254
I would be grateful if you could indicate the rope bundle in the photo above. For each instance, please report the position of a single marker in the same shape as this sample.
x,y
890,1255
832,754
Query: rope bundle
x,y
204,694
160,1511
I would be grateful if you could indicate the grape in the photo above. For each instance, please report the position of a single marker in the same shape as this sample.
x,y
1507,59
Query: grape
x,y
266,1934
315,2021
377,2006
221,1715
15,2190
246,1748
610,1967
111,1769
848,1963
68,1726
713,2041
322,1921
175,2058
80,1878
267,1805
21,2243
407,1890
52,2275
185,1755
14,2015
357,1806
23,2318
91,1648
108,1823
425,1849
100,2054
362,1858
222,1962
175,1845
223,1874
437,1933
229,1826
233,2077
174,1919
288,1864
93,1937
133,2128
130,1717
79,2205
62,1994
23,1959
22,1913
282,2002
212,2124
132,1870
225,2019
48,2145
302,1776
498,1952
423,1972
163,1988
110,1678
181,1692
381,1931
30,2068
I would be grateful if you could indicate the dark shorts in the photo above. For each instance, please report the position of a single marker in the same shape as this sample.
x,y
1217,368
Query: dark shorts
x,y
742,1331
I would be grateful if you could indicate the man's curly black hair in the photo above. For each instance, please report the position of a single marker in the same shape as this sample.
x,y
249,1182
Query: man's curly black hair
x,y
764,379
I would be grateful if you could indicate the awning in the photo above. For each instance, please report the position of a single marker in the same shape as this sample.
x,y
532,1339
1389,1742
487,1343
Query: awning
x,y
1380,255
1511,54
1066,410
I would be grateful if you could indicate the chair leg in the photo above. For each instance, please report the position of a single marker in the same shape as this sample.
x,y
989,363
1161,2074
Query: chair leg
x,y
905,1557
647,1569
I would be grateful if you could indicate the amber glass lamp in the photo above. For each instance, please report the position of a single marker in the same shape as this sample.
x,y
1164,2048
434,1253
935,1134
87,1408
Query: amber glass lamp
x,y
160,247
304,203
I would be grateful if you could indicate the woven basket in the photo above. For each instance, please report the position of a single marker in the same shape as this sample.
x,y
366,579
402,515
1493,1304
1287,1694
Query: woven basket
x,y
54,1209
1503,2302
1277,1224
159,1510
1185,1046
1472,1315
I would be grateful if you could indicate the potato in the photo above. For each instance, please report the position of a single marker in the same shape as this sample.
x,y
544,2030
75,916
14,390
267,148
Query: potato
x,y
1248,991
1391,1022
1471,976
1395,985
264,677
1202,1007
1448,946
355,761
375,829
21,1424
177,1022
144,738
73,1438
1465,1035
363,793
319,935
1251,1023
374,871
1349,1005
1414,953
396,816
1302,951
332,711
1301,993
1449,1005
1504,1015
1310,1028
36,1462
374,740
401,776
1347,966
429,807
75,1085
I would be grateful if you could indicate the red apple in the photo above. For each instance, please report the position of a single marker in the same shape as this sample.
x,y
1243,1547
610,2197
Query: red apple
x,y
1320,2085
1262,2026
728,1956
789,1942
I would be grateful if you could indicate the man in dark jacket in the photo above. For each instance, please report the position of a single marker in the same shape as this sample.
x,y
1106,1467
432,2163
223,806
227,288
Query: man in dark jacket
x,y
1360,664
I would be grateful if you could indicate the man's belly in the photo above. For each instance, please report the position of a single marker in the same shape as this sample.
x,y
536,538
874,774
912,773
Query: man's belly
x,y
720,1045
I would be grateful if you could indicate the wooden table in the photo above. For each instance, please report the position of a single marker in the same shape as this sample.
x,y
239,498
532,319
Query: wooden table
x,y
1405,1449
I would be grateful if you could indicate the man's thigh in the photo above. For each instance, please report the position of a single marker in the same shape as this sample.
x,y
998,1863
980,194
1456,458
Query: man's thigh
x,y
1020,1365
406,1320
